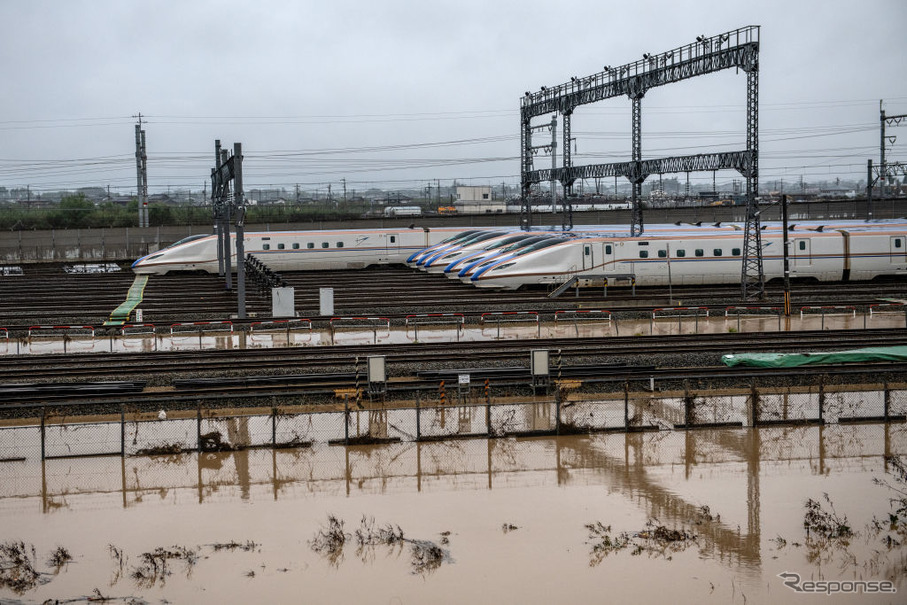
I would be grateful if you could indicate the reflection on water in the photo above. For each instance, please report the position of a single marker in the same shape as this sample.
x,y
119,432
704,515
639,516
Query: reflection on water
x,y
737,490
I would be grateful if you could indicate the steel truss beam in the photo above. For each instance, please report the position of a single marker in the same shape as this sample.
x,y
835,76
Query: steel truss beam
x,y
639,171
739,48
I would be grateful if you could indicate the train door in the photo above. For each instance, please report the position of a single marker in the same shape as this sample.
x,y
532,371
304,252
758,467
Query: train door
x,y
588,257
608,256
392,246
898,249
801,255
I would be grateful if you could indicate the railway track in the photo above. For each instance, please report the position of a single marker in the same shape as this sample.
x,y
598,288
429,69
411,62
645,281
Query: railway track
x,y
321,389
164,366
54,298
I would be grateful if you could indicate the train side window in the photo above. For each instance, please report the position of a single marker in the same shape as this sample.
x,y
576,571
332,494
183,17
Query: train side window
x,y
898,242
281,246
662,254
393,239
324,244
802,244
717,252
699,252
310,245
295,245
735,251
681,253
608,249
340,244
266,246
643,254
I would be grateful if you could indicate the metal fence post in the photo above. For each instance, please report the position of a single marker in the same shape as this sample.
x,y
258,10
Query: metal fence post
x,y
557,410
198,426
43,437
346,420
418,418
487,411
123,430
626,406
822,397
753,412
274,427
887,400
688,412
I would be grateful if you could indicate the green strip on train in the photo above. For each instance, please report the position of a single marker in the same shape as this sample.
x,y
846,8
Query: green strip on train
x,y
121,314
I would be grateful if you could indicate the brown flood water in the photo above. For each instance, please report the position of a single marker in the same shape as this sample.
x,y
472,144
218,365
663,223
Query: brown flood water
x,y
516,511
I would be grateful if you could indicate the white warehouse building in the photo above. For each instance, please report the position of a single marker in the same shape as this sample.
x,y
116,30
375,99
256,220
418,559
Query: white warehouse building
x,y
477,199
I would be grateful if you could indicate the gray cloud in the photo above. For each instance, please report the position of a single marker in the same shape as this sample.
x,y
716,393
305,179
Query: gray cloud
x,y
310,76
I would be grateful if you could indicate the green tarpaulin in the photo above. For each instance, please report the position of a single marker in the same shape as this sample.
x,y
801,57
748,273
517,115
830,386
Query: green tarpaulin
x,y
790,360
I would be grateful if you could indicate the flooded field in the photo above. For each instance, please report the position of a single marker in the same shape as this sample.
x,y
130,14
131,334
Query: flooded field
x,y
715,515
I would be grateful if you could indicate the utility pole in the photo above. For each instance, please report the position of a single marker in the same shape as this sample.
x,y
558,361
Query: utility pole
x,y
344,189
869,189
240,204
884,166
786,251
882,173
141,170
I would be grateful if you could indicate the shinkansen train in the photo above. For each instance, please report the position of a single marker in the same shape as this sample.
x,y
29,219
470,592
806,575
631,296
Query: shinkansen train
x,y
843,251
510,258
300,250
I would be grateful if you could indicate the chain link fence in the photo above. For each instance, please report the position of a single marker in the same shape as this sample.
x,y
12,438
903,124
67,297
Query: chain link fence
x,y
52,433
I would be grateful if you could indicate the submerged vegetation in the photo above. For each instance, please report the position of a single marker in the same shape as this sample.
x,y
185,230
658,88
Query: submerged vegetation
x,y
654,539
425,555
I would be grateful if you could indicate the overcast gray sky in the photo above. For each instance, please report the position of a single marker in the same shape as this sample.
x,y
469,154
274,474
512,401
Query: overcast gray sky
x,y
396,93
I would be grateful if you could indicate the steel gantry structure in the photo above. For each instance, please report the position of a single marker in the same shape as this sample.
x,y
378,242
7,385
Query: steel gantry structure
x,y
737,49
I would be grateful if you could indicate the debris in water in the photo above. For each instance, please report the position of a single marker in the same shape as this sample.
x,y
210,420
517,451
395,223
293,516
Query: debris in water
x,y
895,526
59,558
826,524
655,540
17,567
246,546
330,540
603,543
154,568
427,556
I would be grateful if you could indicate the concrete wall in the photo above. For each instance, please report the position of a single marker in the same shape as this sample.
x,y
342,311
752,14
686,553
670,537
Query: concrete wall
x,y
128,244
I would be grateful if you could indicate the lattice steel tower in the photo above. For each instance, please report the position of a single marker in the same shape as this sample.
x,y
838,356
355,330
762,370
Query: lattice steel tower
x,y
735,49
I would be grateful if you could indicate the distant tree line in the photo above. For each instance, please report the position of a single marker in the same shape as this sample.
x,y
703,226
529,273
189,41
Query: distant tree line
x,y
78,212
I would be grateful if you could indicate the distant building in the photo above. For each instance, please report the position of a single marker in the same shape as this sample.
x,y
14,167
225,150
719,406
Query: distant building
x,y
472,200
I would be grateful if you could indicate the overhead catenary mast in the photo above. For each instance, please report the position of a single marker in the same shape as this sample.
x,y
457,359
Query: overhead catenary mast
x,y
141,172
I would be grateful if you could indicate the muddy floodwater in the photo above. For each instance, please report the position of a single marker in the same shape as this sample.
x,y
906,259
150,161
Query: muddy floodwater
x,y
701,516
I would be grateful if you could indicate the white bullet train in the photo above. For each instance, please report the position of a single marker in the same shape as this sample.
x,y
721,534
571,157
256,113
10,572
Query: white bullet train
x,y
843,251
508,258
300,250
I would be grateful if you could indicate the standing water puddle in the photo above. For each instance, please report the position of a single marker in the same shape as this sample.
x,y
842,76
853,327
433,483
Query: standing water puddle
x,y
714,515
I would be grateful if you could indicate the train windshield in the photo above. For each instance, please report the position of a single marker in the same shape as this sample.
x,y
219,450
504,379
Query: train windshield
x,y
186,240
481,237
505,242
459,237
526,242
539,245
